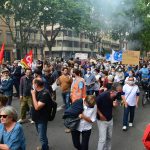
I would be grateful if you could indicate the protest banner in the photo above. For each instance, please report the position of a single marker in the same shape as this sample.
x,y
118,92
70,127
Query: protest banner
x,y
131,57
81,56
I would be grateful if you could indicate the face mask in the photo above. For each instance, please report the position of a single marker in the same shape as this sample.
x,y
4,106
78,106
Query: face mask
x,y
143,66
130,75
94,72
113,73
131,82
119,70
75,67
88,72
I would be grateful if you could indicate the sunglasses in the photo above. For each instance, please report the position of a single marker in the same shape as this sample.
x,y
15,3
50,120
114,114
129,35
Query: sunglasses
x,y
4,116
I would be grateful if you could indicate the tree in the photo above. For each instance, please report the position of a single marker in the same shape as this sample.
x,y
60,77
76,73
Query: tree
x,y
133,19
143,11
22,13
59,15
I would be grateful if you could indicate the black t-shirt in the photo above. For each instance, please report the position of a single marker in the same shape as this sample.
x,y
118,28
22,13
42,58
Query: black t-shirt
x,y
105,105
42,114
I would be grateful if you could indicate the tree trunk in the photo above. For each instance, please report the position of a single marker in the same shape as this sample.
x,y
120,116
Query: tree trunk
x,y
49,45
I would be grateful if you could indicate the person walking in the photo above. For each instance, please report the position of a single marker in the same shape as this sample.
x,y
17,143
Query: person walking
x,y
78,87
25,95
41,100
90,82
130,97
85,125
16,75
105,103
65,82
6,86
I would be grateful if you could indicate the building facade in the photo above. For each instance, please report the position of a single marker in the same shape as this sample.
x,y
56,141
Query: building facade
x,y
12,50
69,42
5,37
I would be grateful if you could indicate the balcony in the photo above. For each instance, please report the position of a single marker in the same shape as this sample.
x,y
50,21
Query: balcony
x,y
76,39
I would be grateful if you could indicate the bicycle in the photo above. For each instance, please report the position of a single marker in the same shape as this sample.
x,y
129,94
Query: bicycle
x,y
146,94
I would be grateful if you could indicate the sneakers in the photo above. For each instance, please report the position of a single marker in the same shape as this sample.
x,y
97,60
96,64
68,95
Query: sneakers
x,y
21,121
31,121
124,128
39,148
130,124
67,130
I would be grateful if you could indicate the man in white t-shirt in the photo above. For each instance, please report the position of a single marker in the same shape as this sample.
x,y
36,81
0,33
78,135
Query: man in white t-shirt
x,y
130,96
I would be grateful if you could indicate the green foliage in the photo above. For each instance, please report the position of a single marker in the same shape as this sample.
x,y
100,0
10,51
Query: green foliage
x,y
136,23
40,14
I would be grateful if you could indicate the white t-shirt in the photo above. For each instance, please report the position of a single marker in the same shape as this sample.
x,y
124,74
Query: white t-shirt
x,y
131,94
88,112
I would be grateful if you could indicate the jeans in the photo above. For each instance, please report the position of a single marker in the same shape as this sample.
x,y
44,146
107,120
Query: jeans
x,y
66,99
16,84
105,134
131,110
9,100
41,128
85,139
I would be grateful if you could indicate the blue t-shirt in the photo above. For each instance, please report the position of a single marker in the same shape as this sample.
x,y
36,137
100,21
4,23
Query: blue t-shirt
x,y
14,139
144,72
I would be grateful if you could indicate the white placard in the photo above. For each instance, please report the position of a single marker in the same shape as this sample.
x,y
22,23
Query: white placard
x,y
81,56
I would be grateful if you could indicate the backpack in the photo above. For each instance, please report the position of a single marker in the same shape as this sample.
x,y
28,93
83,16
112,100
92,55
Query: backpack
x,y
52,109
146,137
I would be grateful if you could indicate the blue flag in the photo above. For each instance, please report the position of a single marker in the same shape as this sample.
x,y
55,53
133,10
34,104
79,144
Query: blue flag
x,y
116,56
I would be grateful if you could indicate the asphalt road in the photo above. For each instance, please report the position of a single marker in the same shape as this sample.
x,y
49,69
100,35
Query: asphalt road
x,y
59,140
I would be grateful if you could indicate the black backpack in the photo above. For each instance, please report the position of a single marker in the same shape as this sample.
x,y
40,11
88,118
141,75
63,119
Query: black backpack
x,y
52,109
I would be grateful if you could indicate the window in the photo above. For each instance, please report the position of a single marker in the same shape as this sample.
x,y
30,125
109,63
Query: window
x,y
86,45
76,44
70,44
59,44
65,33
70,33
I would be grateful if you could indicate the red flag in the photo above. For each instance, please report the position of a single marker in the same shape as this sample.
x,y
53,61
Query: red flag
x,y
2,53
27,60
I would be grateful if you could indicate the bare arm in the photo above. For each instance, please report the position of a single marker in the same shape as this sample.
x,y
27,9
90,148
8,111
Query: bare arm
x,y
82,116
101,116
37,104
124,100
4,147
137,101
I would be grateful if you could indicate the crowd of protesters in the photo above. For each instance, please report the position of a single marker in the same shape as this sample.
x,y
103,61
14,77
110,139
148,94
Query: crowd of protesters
x,y
98,84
